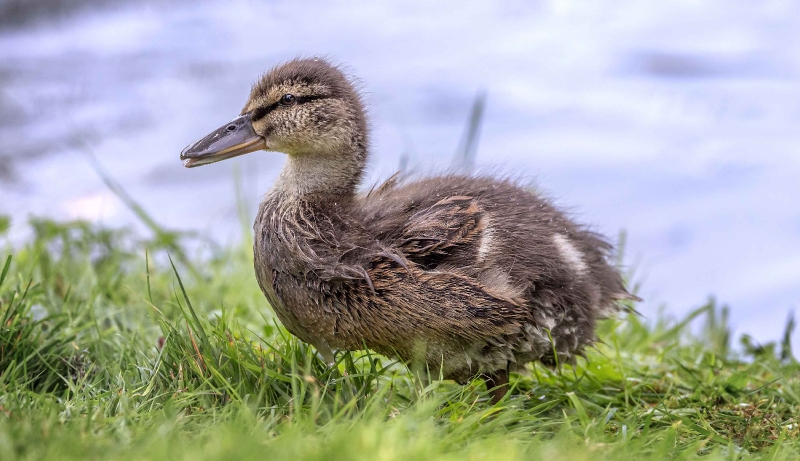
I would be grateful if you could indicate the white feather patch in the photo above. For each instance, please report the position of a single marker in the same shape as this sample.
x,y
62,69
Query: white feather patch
x,y
486,240
572,255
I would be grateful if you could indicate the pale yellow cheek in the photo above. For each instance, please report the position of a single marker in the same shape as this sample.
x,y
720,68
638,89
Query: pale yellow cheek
x,y
294,129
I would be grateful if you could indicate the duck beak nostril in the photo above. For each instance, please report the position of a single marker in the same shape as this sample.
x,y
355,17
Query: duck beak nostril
x,y
235,138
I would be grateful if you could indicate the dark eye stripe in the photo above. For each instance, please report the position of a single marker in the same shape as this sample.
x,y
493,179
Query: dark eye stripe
x,y
260,112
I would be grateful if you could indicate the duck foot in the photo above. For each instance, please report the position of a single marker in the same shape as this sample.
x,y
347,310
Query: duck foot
x,y
497,384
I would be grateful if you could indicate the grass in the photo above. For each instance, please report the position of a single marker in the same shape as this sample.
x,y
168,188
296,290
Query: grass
x,y
109,351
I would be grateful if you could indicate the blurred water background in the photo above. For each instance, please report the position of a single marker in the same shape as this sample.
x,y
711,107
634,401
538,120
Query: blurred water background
x,y
677,121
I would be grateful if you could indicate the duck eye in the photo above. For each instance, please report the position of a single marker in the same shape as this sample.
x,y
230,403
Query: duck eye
x,y
288,100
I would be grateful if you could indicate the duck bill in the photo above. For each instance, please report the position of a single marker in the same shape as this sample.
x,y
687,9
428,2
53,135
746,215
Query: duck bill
x,y
236,138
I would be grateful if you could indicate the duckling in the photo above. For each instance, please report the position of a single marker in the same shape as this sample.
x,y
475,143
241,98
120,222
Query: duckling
x,y
463,276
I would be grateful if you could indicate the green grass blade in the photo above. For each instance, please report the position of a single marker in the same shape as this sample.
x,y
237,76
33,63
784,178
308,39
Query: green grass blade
x,y
198,326
6,266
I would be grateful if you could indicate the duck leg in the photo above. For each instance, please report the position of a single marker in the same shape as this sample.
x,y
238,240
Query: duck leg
x,y
497,384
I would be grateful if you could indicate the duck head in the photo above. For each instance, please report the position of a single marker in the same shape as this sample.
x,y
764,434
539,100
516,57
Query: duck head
x,y
305,108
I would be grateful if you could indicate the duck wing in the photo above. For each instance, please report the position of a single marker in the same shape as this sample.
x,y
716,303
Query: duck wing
x,y
449,229
422,238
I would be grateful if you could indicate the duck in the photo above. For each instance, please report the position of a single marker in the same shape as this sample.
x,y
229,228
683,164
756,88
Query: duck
x,y
461,276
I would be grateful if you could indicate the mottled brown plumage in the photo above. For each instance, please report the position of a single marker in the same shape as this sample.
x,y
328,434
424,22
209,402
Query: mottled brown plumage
x,y
464,276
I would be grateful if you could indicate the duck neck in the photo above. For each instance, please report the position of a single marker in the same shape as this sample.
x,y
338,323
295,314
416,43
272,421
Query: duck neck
x,y
321,176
